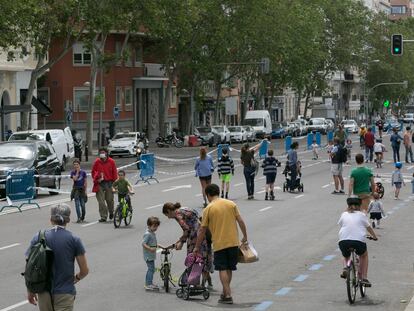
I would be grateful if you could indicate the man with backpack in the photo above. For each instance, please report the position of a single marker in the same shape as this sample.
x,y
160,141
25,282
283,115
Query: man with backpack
x,y
338,158
50,264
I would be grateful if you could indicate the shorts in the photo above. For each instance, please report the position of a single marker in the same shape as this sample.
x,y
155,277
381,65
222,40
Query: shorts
x,y
225,177
375,215
378,153
336,169
226,259
270,178
398,185
364,196
359,247
205,178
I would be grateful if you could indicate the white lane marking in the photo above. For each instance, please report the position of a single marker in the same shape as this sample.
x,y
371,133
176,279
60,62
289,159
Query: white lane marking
x,y
238,185
9,246
299,196
410,167
261,191
198,195
326,186
154,206
22,303
265,209
90,224
177,187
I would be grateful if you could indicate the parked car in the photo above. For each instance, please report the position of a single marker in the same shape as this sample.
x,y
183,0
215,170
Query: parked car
x,y
390,123
278,131
37,155
301,126
293,129
317,125
330,125
237,134
61,140
408,118
260,121
250,133
350,125
124,143
223,132
205,134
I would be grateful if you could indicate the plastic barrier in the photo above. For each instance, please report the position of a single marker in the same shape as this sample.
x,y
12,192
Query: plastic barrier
x,y
288,142
20,187
330,136
193,141
318,138
373,129
220,150
309,140
147,165
264,146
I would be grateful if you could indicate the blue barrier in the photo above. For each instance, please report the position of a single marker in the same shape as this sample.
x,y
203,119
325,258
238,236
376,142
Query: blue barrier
x,y
330,136
309,140
264,146
20,187
288,142
220,148
318,138
373,129
147,165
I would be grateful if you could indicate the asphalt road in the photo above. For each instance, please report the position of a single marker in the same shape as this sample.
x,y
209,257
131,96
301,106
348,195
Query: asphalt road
x,y
296,237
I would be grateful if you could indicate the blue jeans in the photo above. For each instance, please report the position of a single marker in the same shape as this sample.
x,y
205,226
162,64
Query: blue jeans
x,y
80,207
396,153
249,174
369,153
150,272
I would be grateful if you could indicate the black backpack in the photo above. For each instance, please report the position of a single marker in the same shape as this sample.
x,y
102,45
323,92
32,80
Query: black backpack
x,y
341,156
38,273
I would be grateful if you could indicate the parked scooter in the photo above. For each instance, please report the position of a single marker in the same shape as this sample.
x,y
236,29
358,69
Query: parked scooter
x,y
171,139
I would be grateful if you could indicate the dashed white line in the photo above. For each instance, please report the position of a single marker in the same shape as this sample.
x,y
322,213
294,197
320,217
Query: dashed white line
x,y
9,246
299,196
198,195
265,209
22,303
326,186
238,185
90,224
261,191
154,206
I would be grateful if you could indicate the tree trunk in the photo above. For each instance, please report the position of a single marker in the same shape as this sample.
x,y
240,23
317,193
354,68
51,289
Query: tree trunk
x,y
246,101
26,116
89,120
217,104
308,95
297,108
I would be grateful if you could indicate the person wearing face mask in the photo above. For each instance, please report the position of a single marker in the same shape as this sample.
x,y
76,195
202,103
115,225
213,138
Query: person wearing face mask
x,y
104,173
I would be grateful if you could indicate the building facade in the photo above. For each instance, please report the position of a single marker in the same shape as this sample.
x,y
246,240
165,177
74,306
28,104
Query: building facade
x,y
401,9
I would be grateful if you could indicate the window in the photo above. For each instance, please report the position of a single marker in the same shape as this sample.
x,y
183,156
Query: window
x,y
128,99
118,97
81,99
138,55
81,55
399,9
43,95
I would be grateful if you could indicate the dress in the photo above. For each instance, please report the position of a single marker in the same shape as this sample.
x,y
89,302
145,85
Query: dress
x,y
189,222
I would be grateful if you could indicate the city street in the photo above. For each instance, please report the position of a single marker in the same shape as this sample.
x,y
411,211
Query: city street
x,y
295,235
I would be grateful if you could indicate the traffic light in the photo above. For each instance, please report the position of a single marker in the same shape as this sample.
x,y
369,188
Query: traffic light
x,y
386,103
397,45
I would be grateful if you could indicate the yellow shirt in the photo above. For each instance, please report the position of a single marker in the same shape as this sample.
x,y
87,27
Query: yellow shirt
x,y
220,217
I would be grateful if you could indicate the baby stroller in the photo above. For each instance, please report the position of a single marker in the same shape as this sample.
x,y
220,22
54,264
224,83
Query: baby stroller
x,y
297,184
380,189
189,281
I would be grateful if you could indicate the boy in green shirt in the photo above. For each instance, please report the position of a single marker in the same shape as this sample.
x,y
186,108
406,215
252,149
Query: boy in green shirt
x,y
123,187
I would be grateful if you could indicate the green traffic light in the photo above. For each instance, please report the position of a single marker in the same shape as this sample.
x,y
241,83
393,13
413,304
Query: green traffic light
x,y
386,103
396,50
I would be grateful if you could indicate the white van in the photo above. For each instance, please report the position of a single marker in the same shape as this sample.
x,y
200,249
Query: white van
x,y
260,121
61,140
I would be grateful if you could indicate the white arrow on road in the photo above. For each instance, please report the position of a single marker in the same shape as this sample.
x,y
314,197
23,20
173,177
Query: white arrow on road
x,y
177,187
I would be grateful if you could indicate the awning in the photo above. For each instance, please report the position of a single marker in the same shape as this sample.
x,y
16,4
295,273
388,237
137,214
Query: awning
x,y
41,107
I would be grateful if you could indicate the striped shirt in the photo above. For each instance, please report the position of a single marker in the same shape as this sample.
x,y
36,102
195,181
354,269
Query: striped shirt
x,y
225,165
269,165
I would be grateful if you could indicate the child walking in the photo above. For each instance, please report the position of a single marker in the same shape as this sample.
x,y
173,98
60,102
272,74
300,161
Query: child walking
x,y
269,165
149,245
397,179
124,188
78,193
329,149
315,150
225,171
348,147
375,210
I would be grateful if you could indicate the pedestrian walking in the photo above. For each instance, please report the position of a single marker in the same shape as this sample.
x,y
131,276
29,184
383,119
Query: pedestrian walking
x,y
66,248
407,144
292,157
369,141
361,182
380,124
149,249
329,148
204,168
362,132
189,222
104,173
395,144
270,164
221,217
79,187
348,147
225,169
397,179
376,210
249,167
315,150
340,134
338,158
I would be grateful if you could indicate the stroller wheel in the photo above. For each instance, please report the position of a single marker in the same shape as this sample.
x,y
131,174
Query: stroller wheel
x,y
301,187
206,295
186,294
284,187
179,293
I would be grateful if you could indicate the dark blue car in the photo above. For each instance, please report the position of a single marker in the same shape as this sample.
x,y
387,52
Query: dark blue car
x,y
278,131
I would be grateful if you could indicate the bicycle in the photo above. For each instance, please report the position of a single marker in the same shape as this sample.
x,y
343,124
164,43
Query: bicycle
x,y
123,212
165,270
353,281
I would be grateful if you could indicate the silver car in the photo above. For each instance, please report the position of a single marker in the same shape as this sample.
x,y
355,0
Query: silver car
x,y
250,133
223,132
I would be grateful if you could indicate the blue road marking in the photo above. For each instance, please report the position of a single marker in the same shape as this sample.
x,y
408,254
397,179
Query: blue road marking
x,y
315,267
301,278
263,306
329,257
283,291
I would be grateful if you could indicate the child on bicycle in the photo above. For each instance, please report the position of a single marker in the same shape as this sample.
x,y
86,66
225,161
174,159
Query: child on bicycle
x,y
375,210
225,171
149,246
354,226
123,187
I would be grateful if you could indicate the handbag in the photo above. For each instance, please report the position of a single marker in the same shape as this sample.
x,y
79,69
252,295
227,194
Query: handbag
x,y
247,253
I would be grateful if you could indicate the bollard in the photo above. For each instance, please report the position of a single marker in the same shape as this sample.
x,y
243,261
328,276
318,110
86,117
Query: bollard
x,y
288,142
86,152
309,140
220,148
318,138
373,128
329,136
264,146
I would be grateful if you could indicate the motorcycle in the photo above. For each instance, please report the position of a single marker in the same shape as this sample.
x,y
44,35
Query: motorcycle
x,y
171,139
78,144
142,148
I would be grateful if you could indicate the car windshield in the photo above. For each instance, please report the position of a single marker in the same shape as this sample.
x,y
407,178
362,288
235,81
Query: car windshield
x,y
316,122
246,128
203,130
276,126
219,129
235,129
348,122
15,151
124,136
253,122
27,136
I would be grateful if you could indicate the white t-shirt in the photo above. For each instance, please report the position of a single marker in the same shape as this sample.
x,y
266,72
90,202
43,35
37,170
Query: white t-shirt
x,y
353,226
378,147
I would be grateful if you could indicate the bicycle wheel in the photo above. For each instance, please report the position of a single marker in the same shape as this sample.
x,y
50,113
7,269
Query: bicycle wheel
x,y
166,278
128,217
118,217
351,282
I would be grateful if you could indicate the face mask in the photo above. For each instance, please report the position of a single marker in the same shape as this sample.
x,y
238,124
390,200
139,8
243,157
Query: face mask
x,y
102,155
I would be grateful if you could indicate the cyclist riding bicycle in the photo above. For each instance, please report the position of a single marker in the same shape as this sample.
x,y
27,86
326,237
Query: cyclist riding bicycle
x,y
123,187
354,226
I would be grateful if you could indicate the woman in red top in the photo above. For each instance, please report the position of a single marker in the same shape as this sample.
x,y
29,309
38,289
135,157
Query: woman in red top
x,y
104,173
